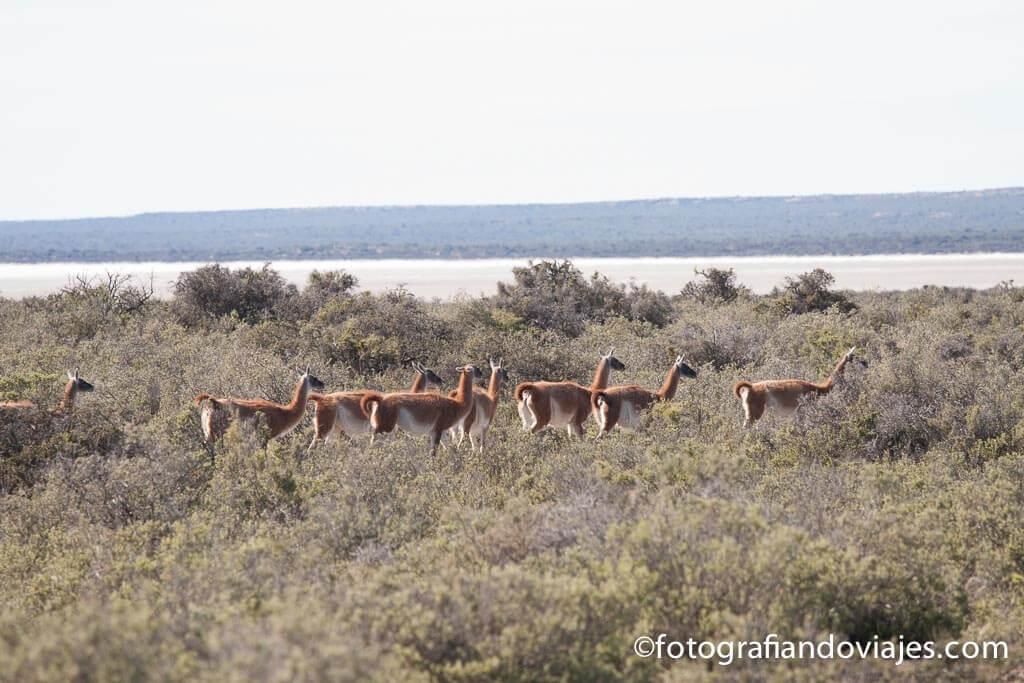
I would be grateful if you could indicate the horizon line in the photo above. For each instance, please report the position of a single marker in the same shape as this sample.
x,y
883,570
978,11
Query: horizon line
x,y
1010,188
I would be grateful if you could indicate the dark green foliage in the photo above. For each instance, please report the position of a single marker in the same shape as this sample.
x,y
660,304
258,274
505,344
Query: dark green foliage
x,y
360,330
889,507
555,295
323,287
714,286
214,291
810,292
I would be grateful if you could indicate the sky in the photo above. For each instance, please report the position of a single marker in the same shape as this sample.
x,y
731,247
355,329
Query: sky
x,y
118,108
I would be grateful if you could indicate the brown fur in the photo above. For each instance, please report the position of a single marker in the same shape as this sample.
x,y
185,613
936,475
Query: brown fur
x,y
328,408
782,393
424,413
485,403
542,399
216,414
18,404
608,404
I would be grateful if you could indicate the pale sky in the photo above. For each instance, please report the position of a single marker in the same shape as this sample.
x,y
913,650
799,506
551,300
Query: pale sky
x,y
125,107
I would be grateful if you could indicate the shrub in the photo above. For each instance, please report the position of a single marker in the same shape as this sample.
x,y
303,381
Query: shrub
x,y
214,291
810,292
714,286
321,289
374,332
87,305
556,296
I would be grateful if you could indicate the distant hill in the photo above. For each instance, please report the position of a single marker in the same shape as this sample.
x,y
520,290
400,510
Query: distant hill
x,y
988,220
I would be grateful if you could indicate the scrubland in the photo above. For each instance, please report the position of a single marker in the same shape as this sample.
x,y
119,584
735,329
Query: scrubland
x,y
890,507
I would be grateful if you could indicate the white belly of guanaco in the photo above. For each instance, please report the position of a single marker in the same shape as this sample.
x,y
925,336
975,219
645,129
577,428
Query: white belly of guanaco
x,y
629,416
559,416
408,422
351,423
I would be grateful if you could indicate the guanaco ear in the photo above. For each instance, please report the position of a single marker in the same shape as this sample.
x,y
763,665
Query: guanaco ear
x,y
610,352
70,375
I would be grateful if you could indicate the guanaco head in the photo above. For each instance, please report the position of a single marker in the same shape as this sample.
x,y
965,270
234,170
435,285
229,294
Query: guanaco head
x,y
851,355
80,384
313,382
499,368
476,372
684,370
429,376
613,362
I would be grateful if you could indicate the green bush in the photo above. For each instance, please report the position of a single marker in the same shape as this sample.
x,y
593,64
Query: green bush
x,y
214,291
556,296
714,286
810,291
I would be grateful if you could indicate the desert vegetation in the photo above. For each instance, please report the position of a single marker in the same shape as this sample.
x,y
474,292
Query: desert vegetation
x,y
890,506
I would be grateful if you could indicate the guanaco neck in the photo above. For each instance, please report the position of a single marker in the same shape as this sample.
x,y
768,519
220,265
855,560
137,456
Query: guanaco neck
x,y
70,391
668,389
464,394
419,383
601,375
839,366
298,404
494,388
827,385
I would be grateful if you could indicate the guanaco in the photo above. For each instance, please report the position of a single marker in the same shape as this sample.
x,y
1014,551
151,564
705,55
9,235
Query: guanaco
x,y
424,413
784,394
339,413
623,406
485,402
216,414
562,404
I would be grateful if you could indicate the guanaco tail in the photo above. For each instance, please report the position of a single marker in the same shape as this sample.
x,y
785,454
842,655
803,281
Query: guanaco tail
x,y
784,394
216,414
422,413
339,413
562,404
623,406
